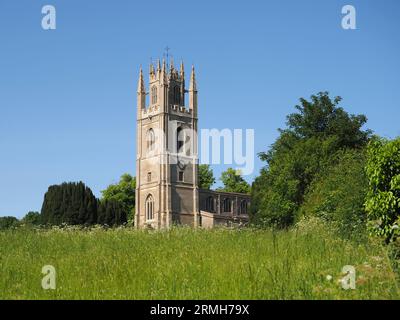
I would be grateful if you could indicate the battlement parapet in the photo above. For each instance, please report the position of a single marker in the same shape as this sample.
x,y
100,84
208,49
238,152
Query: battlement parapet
x,y
180,109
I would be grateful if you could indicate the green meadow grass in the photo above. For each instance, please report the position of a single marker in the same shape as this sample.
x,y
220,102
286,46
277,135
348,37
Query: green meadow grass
x,y
191,264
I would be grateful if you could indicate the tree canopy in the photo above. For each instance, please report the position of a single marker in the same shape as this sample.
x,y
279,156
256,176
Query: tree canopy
x,y
234,182
111,213
383,197
206,176
70,203
32,218
313,135
74,204
122,192
8,222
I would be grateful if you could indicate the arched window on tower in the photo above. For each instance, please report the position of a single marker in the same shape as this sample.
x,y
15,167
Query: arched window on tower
x,y
153,94
151,140
149,208
177,95
180,140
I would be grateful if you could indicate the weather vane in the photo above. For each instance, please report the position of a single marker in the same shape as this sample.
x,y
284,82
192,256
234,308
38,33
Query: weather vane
x,y
167,49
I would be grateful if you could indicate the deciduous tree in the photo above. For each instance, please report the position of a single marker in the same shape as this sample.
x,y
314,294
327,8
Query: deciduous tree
x,y
206,176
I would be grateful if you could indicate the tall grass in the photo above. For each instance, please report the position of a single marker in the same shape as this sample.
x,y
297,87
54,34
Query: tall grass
x,y
191,264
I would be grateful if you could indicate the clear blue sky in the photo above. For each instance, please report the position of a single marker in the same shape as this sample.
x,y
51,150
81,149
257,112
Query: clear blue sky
x,y
67,97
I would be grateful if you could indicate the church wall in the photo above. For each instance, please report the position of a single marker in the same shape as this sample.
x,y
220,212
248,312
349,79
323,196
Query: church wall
x,y
182,200
218,197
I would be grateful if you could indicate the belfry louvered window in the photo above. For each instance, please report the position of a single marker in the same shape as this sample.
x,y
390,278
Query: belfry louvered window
x,y
151,140
154,95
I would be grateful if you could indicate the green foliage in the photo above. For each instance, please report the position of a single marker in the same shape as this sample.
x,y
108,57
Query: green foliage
x,y
383,198
206,176
69,203
322,117
32,218
337,195
8,223
111,213
122,192
234,182
287,179
303,150
182,263
75,204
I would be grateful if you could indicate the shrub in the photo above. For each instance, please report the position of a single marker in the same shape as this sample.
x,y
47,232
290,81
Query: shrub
x,y
383,197
282,186
32,218
338,194
8,223
122,192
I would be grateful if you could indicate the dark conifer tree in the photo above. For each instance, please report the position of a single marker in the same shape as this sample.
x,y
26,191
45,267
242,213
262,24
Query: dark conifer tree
x,y
75,204
70,203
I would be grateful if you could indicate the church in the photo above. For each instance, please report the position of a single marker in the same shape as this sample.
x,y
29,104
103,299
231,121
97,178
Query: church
x,y
167,183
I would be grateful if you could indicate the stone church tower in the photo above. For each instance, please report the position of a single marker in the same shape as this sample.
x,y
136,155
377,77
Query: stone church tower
x,y
167,152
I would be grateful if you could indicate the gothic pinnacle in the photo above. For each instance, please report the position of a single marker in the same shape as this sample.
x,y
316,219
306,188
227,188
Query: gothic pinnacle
x,y
141,88
192,86
163,76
